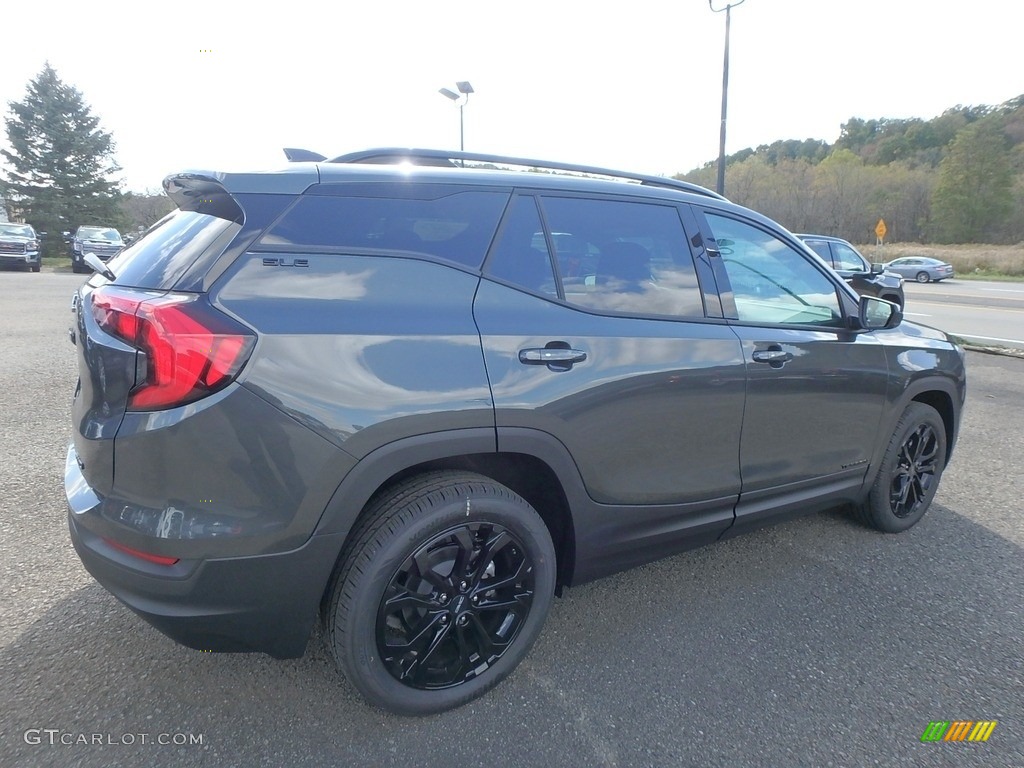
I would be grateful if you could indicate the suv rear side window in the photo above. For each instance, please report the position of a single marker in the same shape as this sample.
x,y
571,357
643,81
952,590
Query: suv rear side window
x,y
168,249
627,257
457,227
820,247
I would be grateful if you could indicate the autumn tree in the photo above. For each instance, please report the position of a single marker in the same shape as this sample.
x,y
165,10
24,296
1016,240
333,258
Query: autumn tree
x,y
973,194
61,162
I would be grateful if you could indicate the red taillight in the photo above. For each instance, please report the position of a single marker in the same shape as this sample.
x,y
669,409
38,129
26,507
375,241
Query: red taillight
x,y
147,556
192,350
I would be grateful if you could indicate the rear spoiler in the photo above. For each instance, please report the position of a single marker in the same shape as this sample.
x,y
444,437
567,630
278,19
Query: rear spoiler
x,y
375,156
202,192
296,155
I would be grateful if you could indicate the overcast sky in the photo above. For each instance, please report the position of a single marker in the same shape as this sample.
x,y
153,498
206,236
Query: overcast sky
x,y
224,85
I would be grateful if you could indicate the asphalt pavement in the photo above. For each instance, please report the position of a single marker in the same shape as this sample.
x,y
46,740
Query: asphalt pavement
x,y
983,312
813,643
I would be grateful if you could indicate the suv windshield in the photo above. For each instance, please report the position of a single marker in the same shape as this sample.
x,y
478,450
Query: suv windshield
x,y
99,233
20,230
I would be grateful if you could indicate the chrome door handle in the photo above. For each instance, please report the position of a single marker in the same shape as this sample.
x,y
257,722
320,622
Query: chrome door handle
x,y
774,356
555,358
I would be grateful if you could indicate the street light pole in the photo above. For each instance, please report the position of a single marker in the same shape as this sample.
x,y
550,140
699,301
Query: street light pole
x,y
464,89
720,187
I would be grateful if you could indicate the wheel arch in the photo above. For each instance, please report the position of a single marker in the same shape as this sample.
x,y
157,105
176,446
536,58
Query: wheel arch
x,y
942,394
942,402
530,473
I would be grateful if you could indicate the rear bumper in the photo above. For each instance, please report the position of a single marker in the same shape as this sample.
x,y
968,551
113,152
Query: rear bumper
x,y
266,603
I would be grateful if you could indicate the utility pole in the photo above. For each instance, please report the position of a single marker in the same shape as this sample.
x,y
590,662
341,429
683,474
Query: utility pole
x,y
720,187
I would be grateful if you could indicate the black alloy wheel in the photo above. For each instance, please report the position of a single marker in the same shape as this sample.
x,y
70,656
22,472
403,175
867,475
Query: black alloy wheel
x,y
909,474
442,590
455,606
916,471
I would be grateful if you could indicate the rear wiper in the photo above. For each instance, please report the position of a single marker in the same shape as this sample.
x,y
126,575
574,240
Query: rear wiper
x,y
96,264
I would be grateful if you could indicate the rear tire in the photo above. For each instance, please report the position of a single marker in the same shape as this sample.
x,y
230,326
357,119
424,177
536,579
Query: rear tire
x,y
441,593
910,472
923,277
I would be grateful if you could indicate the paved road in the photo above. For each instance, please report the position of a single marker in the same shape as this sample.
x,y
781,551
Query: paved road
x,y
982,312
815,643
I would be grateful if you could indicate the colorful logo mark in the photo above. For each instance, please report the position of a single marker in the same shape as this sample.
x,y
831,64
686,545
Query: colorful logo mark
x,y
959,730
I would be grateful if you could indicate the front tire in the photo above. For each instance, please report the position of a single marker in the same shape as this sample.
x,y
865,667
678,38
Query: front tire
x,y
910,472
441,593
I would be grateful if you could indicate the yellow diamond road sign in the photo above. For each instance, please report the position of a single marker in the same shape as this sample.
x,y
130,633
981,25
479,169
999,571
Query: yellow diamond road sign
x,y
880,229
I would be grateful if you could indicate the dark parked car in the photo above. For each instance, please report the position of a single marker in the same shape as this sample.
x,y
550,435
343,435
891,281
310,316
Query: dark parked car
x,y
421,401
19,246
865,278
921,268
105,242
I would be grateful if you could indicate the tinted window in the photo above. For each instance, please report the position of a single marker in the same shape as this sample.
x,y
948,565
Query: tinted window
x,y
820,247
168,249
772,283
623,257
458,227
520,255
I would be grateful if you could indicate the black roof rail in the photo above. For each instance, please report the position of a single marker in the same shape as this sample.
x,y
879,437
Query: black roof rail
x,y
445,158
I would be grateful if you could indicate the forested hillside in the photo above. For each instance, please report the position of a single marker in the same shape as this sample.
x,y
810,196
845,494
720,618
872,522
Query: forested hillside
x,y
957,178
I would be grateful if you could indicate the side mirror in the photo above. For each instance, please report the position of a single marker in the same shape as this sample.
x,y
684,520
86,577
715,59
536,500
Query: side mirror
x,y
878,313
877,269
40,235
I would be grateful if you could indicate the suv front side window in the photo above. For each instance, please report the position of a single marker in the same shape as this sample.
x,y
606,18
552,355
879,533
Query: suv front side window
x,y
848,260
772,282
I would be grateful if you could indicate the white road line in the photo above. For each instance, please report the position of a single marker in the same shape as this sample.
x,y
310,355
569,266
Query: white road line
x,y
986,338
970,306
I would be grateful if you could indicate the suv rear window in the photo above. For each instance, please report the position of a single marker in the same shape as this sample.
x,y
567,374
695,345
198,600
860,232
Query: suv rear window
x,y
168,249
457,227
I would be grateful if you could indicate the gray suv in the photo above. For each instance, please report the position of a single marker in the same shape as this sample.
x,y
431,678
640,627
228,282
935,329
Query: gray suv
x,y
419,399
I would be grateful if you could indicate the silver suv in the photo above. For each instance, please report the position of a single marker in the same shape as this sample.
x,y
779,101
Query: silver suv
x,y
19,246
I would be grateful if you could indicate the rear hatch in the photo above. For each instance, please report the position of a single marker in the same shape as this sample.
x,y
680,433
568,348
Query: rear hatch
x,y
144,345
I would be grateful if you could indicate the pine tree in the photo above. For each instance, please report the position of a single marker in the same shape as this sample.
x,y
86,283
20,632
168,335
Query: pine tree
x,y
60,169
